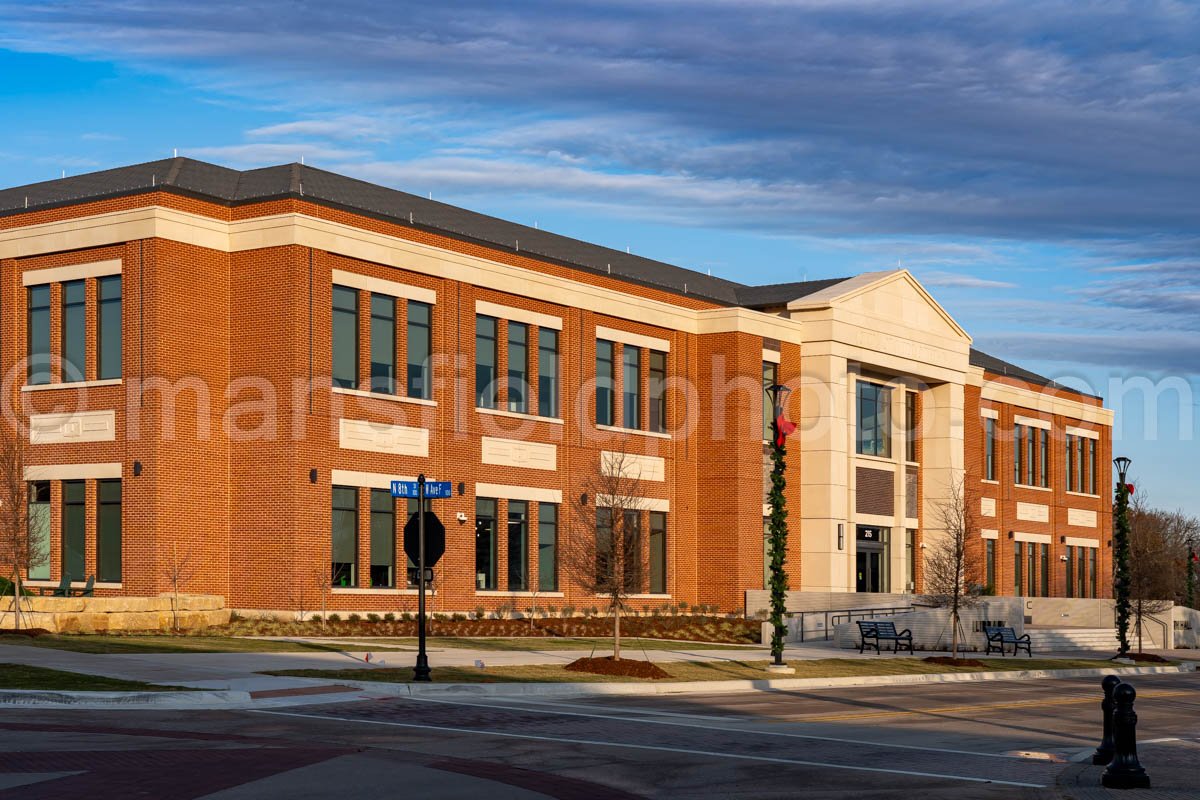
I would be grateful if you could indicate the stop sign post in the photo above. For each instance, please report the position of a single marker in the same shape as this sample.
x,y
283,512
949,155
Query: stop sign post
x,y
424,542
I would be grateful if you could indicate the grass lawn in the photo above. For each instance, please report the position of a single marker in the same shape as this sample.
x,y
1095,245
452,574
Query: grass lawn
x,y
149,643
692,670
20,676
533,643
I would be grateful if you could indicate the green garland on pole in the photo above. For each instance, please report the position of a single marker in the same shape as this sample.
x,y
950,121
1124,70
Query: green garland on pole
x,y
1121,577
779,532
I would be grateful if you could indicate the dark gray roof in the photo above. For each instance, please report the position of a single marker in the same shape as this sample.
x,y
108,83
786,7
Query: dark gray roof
x,y
233,187
774,294
997,366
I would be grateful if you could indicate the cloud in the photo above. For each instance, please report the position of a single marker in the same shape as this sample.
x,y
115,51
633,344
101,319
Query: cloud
x,y
951,280
262,154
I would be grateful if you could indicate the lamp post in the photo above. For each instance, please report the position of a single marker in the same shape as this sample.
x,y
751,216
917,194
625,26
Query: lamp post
x,y
780,428
1121,577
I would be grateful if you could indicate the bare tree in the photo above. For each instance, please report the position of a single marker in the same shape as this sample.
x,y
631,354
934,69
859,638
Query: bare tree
x,y
22,546
179,572
1156,558
324,584
604,554
952,562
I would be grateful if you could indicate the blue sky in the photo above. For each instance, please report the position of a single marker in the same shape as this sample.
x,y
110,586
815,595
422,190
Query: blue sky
x,y
1035,165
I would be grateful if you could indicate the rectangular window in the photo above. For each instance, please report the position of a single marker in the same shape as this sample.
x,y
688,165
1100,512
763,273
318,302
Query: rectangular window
x,y
1031,551
485,543
485,362
604,545
39,529
1045,569
345,337
1044,458
410,566
1092,571
1018,569
74,530
1018,453
1069,567
989,449
910,426
1091,459
910,559
108,531
547,372
518,546
1081,471
874,420
632,536
108,327
1031,456
631,360
383,539
518,367
658,552
344,537
74,331
1070,463
658,391
605,412
383,344
39,334
420,348
547,547
989,548
770,378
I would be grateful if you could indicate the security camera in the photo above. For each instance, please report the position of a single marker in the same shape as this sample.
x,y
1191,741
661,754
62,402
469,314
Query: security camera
x,y
461,516
1063,558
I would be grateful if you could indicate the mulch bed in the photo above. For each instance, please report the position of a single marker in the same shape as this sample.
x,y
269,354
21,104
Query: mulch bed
x,y
626,667
1149,658
954,662
30,632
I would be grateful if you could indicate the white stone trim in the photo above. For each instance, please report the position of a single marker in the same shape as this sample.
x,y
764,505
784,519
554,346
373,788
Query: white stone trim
x,y
766,509
497,412
988,533
634,339
987,506
1032,422
518,453
1037,538
637,467
1076,541
518,315
353,280
1082,518
1033,512
771,356
394,398
506,492
377,437
74,272
77,427
634,431
41,387
989,413
1084,432
643,503
73,472
365,480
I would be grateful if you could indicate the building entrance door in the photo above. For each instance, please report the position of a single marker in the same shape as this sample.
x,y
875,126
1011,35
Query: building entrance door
x,y
871,559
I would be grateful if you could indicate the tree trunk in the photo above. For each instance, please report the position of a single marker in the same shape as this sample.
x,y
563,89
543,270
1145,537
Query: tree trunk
x,y
616,633
954,633
17,600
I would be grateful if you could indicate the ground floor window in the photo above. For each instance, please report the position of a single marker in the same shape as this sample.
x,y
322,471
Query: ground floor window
x,y
411,566
108,531
518,546
547,545
383,539
485,543
871,559
989,558
910,559
658,552
1018,568
344,539
39,528
74,529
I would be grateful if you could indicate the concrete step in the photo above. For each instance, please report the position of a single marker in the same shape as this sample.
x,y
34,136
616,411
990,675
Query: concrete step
x,y
1072,639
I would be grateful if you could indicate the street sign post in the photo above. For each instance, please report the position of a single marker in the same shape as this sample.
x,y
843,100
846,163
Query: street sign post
x,y
430,544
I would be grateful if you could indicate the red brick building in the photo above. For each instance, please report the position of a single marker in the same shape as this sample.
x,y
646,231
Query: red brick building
x,y
228,368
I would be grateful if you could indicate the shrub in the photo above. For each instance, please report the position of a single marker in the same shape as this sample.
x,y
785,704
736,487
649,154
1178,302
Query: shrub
x,y
480,612
407,616
568,611
354,618
458,617
551,611
389,617
373,618
334,618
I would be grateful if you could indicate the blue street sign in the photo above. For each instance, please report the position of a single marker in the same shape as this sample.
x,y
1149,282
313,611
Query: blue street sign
x,y
434,490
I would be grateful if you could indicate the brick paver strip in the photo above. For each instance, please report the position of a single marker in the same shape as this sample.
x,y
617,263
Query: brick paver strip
x,y
301,691
556,786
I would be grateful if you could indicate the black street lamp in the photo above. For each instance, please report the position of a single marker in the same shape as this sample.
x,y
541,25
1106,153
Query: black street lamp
x,y
1121,576
780,428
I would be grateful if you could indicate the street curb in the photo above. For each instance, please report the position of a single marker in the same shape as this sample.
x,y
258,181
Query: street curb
x,y
163,700
728,687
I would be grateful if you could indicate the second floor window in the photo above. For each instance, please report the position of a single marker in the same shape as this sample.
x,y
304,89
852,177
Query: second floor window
x,y
383,344
39,334
108,327
874,420
74,331
631,359
989,449
420,348
910,426
658,391
518,367
345,337
485,362
770,378
605,400
547,372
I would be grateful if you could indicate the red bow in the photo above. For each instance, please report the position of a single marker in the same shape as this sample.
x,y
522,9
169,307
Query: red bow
x,y
1129,487
783,428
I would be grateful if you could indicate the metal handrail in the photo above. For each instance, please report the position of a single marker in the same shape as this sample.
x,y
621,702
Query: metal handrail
x,y
842,615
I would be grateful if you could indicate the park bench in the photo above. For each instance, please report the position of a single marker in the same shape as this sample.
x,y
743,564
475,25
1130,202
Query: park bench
x,y
873,632
998,638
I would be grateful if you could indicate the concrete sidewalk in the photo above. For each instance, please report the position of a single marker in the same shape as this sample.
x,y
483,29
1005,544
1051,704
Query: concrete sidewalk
x,y
1171,766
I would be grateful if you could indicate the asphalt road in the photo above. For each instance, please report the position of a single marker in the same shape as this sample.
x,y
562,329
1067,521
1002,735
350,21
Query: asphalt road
x,y
986,740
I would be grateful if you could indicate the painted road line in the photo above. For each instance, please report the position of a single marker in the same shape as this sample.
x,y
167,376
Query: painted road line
x,y
628,710
726,728
658,749
973,709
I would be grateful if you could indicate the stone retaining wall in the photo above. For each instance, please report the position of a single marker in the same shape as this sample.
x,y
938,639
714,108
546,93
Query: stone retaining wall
x,y
101,614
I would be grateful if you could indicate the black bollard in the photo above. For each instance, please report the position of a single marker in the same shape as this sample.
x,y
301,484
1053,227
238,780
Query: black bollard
x,y
1125,772
1104,752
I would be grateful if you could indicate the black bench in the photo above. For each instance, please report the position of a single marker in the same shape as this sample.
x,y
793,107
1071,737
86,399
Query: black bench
x,y
999,638
878,632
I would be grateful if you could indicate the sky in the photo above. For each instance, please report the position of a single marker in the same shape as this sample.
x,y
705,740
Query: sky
x,y
1035,165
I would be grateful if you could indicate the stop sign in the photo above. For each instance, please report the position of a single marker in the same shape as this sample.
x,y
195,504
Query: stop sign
x,y
435,538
